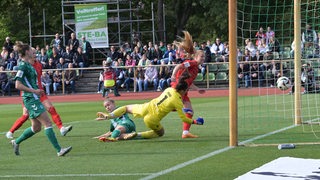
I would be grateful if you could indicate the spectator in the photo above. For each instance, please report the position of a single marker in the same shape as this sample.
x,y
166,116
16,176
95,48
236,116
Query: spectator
x,y
151,76
100,83
86,50
151,51
60,50
293,47
270,33
119,77
274,45
70,78
73,43
68,55
307,80
162,47
11,62
4,81
46,82
57,81
43,57
274,67
8,44
169,55
114,54
122,53
136,55
79,60
140,77
217,47
263,47
257,74
55,55
62,64
4,56
164,77
250,46
207,58
56,41
51,65
157,53
309,37
259,36
129,72
244,74
48,51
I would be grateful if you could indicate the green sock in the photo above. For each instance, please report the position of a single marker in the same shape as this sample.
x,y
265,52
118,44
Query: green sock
x,y
116,133
52,138
27,133
119,112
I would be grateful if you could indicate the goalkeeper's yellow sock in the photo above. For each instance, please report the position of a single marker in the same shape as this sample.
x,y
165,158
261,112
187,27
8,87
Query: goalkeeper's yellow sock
x,y
149,134
118,112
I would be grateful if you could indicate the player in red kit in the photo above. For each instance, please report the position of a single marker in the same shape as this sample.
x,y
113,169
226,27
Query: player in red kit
x,y
47,104
189,67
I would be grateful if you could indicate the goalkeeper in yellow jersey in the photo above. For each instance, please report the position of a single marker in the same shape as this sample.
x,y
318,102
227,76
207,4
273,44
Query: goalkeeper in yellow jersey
x,y
155,110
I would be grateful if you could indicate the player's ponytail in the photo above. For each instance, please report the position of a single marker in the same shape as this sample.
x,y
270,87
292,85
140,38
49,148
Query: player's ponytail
x,y
186,43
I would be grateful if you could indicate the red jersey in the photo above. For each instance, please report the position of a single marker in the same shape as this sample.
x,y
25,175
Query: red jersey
x,y
193,69
38,67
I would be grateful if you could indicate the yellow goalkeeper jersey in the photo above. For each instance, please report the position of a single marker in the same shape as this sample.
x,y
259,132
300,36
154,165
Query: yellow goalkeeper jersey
x,y
170,100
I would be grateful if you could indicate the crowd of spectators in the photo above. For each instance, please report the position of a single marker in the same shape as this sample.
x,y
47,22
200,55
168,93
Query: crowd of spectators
x,y
141,58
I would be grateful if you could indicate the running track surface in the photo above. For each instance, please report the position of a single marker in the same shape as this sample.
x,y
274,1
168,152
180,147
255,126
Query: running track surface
x,y
144,95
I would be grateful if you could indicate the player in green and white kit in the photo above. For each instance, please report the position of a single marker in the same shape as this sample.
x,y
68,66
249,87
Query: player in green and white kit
x,y
121,128
26,81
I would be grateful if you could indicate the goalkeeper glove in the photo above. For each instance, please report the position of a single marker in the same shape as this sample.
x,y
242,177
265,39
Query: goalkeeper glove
x,y
187,111
198,121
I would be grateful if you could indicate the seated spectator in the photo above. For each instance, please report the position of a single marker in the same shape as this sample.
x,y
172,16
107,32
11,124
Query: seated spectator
x,y
274,67
46,82
50,65
68,55
263,47
119,77
157,53
43,57
257,74
207,58
62,64
129,72
164,77
57,81
70,79
4,82
79,60
151,77
140,77
136,55
307,80
55,55
244,74
250,46
114,54
309,37
11,62
260,35
217,48
169,55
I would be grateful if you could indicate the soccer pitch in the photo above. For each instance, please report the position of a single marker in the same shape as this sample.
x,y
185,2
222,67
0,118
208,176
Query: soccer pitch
x,y
168,157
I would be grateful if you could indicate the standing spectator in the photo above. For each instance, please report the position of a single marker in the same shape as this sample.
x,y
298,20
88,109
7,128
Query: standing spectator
x,y
46,82
4,82
57,81
217,47
129,72
270,33
70,78
56,41
11,62
260,35
164,77
120,77
86,49
8,44
73,43
100,83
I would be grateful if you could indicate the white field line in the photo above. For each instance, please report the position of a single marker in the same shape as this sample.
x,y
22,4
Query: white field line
x,y
157,174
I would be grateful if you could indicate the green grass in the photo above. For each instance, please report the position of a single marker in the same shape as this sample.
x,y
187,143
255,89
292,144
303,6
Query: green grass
x,y
137,159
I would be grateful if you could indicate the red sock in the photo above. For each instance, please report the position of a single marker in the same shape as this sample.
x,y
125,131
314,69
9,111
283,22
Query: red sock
x,y
18,123
55,117
187,126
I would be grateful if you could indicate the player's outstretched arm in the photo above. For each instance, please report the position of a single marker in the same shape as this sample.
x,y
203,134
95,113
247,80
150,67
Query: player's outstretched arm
x,y
102,116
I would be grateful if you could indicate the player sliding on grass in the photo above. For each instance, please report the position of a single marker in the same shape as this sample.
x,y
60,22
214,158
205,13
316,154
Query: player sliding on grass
x,y
155,110
26,81
121,128
191,67
45,101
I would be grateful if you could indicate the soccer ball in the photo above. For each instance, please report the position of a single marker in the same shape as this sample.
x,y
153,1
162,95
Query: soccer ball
x,y
283,83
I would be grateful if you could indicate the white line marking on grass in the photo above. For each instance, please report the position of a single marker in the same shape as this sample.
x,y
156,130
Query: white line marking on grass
x,y
179,166
74,175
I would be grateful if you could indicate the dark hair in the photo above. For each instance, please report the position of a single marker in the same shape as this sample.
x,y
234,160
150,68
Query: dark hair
x,y
182,85
22,48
